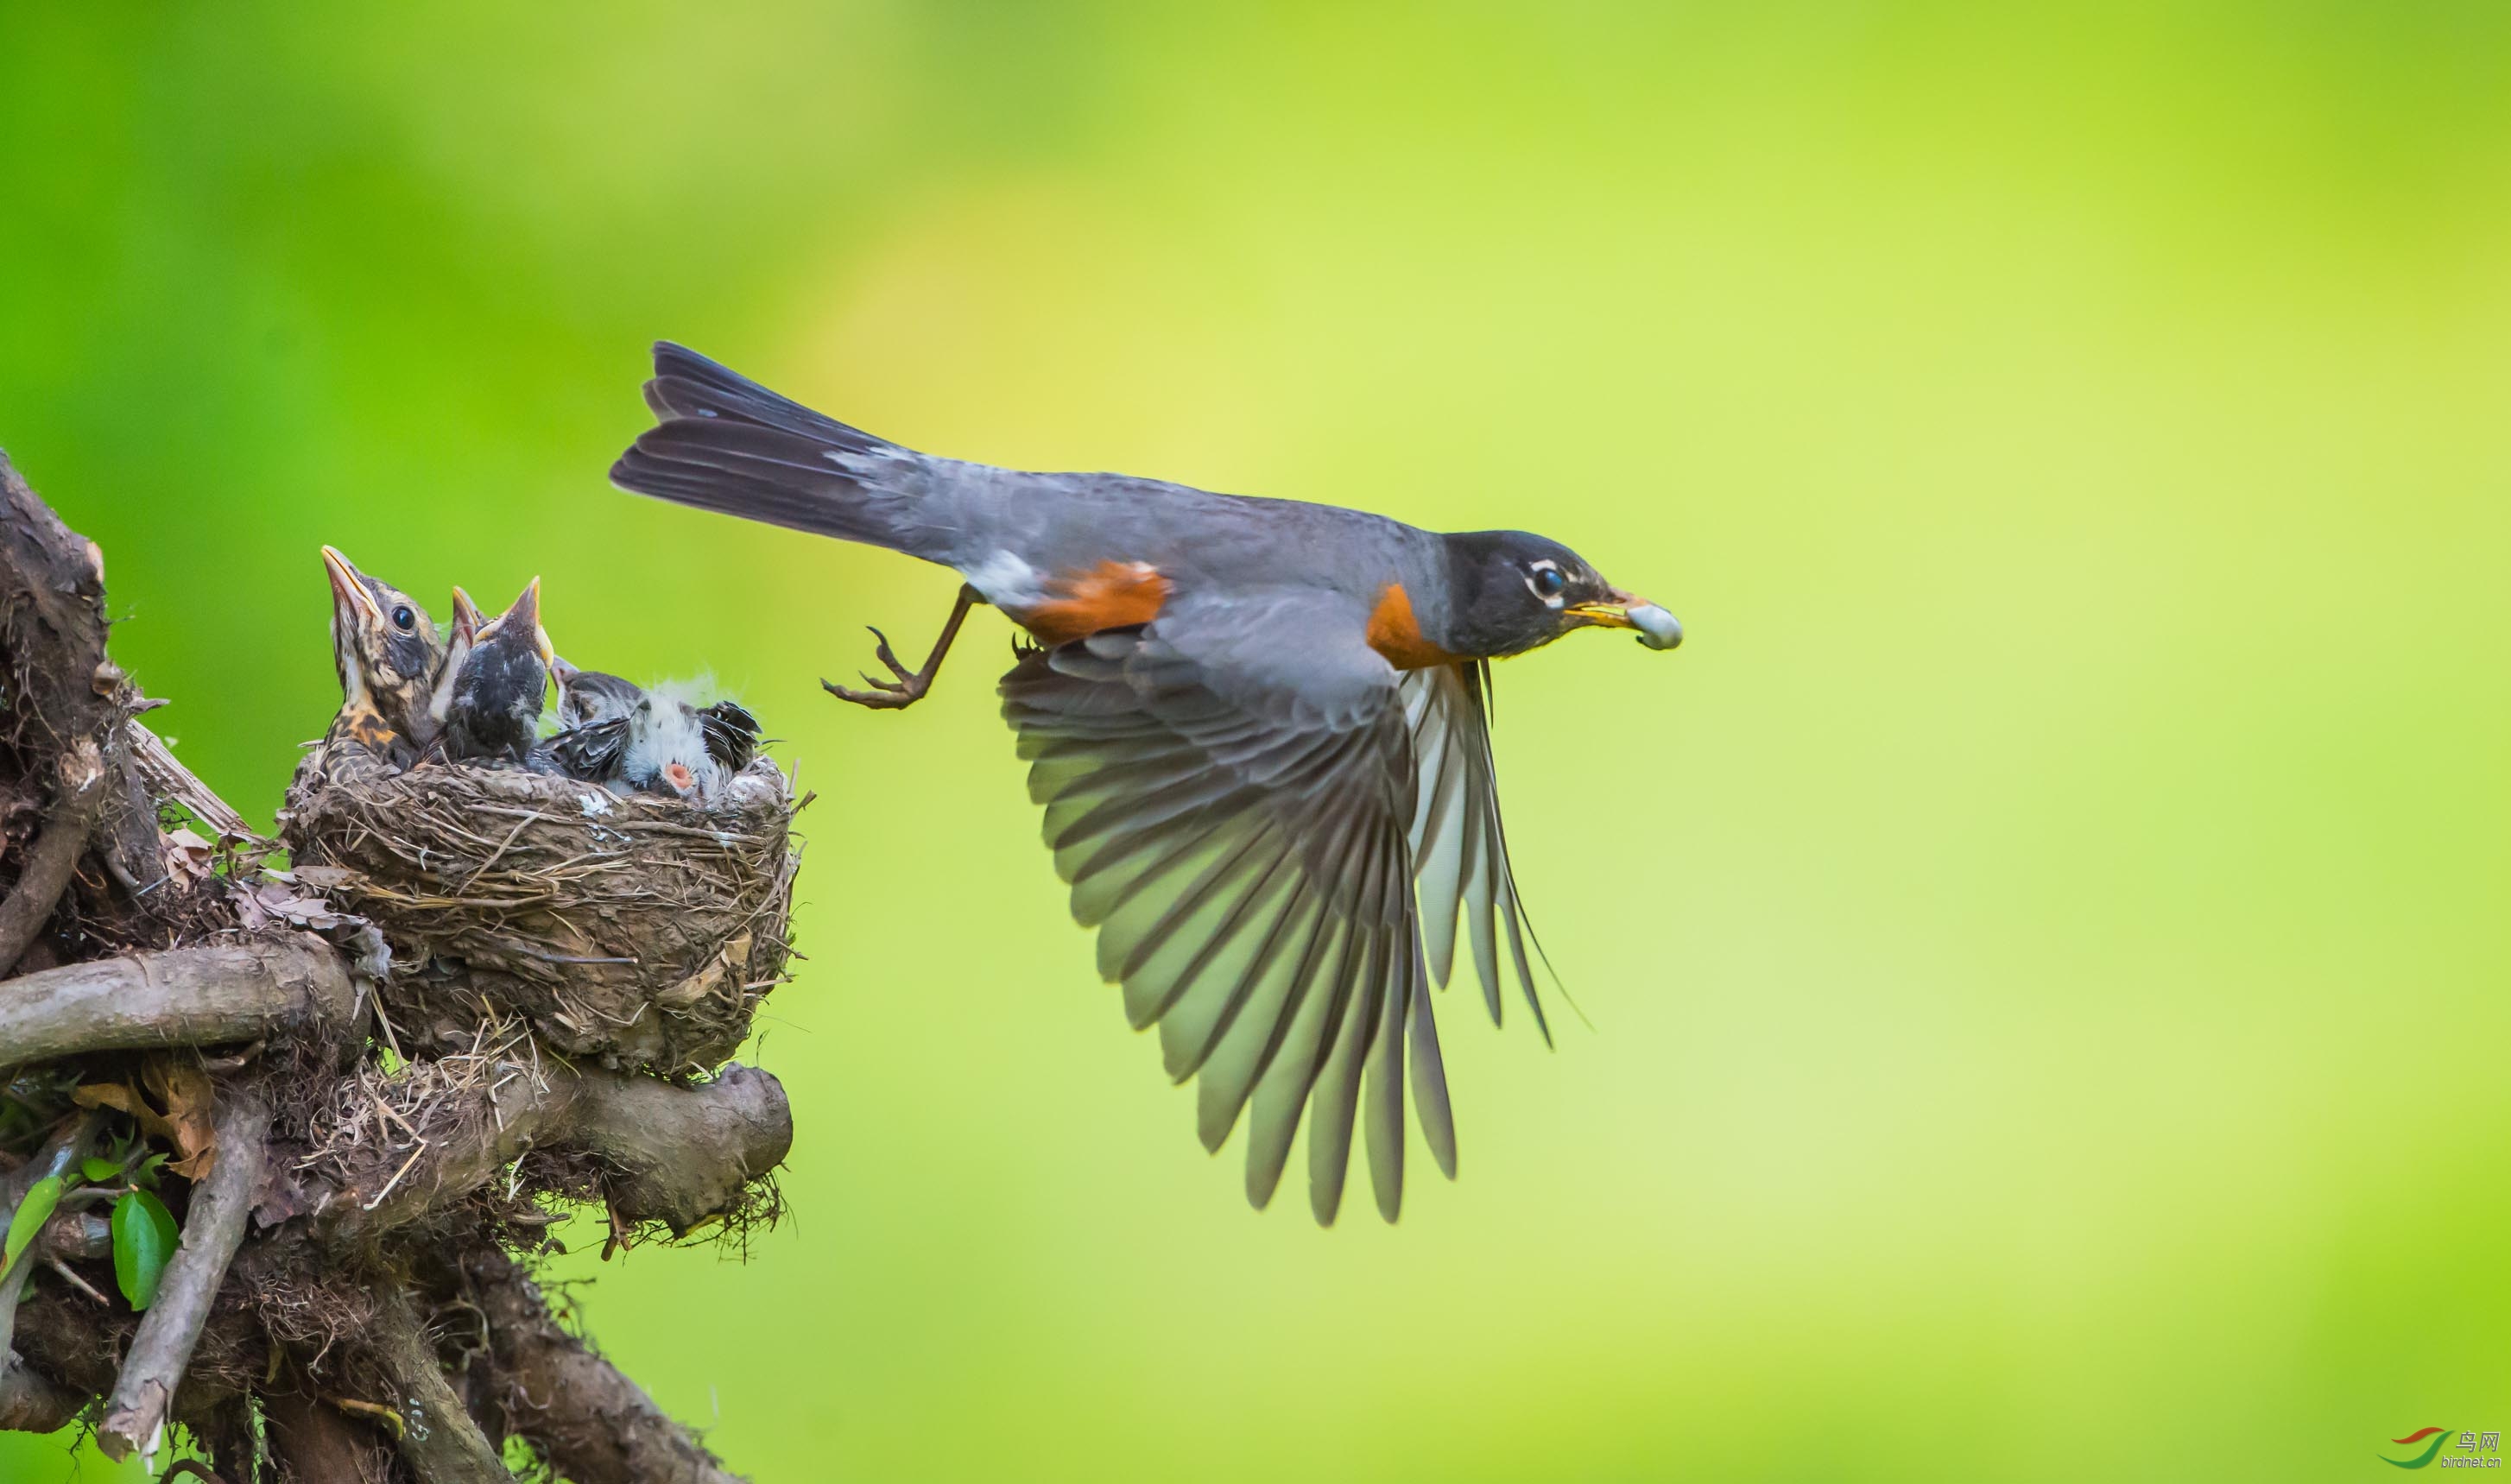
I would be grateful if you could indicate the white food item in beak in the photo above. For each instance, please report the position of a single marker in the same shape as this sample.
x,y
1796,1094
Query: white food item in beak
x,y
1658,629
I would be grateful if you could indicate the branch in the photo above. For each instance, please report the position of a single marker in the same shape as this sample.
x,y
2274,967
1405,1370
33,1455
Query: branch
x,y
166,778
213,1230
28,1403
588,1421
318,1443
438,1439
51,616
55,853
675,1155
198,996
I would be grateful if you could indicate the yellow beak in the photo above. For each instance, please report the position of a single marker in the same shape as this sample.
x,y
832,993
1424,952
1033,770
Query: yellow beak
x,y
1657,629
348,584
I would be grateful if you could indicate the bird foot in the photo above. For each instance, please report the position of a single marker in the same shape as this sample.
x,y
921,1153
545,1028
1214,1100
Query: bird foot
x,y
904,691
910,685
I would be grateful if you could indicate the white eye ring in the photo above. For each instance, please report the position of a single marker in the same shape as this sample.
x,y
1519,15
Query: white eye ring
x,y
1543,565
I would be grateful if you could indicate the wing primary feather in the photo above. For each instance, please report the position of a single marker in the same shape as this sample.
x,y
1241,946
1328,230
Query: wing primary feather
x,y
1336,1098
1278,1109
1385,1092
1223,1086
1221,935
1187,902
1302,902
1430,1086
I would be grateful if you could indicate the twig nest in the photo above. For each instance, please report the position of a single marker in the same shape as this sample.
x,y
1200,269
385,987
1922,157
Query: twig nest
x,y
635,930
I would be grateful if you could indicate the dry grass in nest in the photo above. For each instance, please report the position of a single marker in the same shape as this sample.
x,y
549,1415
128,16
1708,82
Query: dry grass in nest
x,y
379,1124
635,931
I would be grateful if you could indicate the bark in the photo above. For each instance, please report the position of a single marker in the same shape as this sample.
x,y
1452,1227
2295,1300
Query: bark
x,y
673,1154
585,1418
439,1438
317,1445
52,594
198,996
213,1230
30,1403
167,779
55,853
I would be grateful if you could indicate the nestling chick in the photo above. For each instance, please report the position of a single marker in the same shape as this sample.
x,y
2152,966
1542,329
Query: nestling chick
x,y
387,654
465,632
496,695
617,732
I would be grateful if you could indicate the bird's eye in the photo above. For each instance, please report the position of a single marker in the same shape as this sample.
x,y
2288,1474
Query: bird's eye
x,y
402,618
1548,582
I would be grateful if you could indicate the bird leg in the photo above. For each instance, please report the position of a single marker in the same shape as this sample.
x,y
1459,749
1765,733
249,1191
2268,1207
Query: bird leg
x,y
910,685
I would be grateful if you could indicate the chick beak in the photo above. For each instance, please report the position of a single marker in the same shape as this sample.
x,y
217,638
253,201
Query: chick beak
x,y
1657,629
466,617
678,775
525,611
349,594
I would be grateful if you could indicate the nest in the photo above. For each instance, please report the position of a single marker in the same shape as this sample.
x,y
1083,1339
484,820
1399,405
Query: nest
x,y
637,930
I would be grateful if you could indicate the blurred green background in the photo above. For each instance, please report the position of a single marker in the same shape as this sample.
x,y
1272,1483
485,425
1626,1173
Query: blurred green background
x,y
2044,932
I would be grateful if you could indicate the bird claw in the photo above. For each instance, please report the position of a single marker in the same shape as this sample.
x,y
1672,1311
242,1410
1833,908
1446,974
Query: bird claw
x,y
886,695
911,684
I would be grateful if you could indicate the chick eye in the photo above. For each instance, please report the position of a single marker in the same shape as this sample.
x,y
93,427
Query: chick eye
x,y
402,618
1549,583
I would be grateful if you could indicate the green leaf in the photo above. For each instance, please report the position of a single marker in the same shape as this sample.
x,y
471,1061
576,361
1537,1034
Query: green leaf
x,y
144,1237
96,1171
32,1212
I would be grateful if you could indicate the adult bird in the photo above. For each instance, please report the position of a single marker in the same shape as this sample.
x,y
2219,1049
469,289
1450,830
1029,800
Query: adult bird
x,y
387,654
1260,729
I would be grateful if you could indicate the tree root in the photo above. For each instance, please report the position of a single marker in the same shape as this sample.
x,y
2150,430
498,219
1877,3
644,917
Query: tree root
x,y
56,854
200,995
588,1421
667,1154
213,1230
439,1438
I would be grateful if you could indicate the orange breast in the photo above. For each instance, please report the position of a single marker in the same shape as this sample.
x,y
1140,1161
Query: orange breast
x,y
1393,632
1113,595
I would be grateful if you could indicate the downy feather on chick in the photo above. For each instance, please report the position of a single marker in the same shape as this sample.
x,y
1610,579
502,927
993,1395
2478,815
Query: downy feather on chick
x,y
620,733
495,698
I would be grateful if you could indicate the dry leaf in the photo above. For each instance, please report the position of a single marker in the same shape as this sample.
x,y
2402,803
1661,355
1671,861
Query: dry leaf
x,y
122,1097
188,855
187,1093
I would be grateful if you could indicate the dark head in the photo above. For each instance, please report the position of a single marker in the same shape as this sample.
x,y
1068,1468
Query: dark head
x,y
587,696
384,646
1511,591
499,694
465,632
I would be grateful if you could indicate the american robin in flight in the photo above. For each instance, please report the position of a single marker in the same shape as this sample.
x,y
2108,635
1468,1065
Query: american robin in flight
x,y
387,654
1260,729
495,697
614,731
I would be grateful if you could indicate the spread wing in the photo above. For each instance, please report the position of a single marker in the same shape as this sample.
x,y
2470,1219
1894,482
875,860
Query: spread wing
x,y
1238,801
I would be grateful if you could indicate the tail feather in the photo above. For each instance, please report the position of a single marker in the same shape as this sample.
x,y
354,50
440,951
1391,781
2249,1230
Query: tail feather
x,y
726,443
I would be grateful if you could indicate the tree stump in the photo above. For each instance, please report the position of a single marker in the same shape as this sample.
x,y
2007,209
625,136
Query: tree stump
x,y
340,1284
